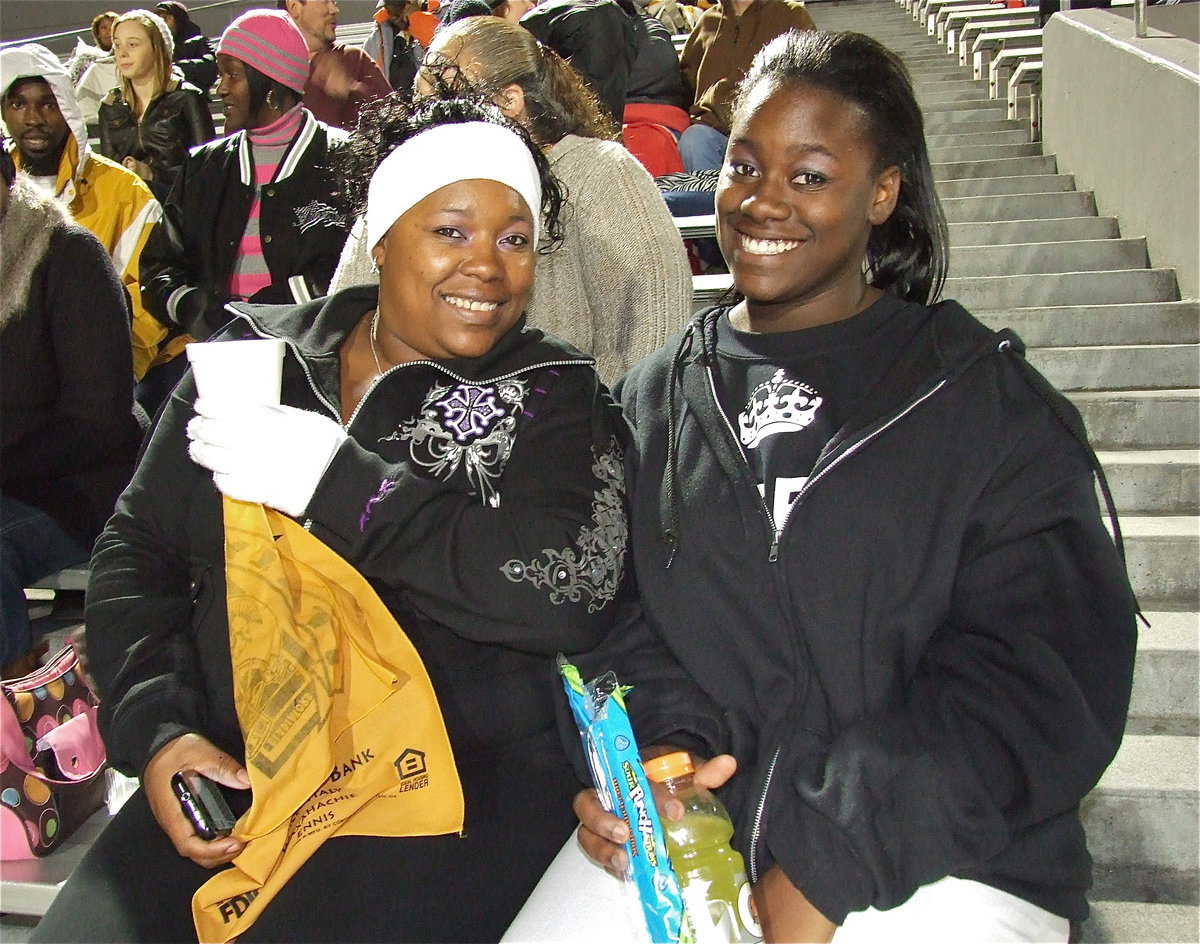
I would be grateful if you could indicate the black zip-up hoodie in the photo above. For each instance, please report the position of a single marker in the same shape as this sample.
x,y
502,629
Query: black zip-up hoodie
x,y
930,668
482,499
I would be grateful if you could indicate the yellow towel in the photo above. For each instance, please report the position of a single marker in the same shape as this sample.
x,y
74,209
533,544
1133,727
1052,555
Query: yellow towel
x,y
343,731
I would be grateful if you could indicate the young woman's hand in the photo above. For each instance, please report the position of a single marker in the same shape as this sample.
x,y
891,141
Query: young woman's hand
x,y
603,835
192,752
785,914
141,168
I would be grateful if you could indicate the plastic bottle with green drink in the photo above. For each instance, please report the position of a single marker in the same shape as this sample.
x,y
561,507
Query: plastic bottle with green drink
x,y
711,873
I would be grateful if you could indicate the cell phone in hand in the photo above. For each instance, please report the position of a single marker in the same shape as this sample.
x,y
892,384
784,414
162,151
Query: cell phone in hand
x,y
203,804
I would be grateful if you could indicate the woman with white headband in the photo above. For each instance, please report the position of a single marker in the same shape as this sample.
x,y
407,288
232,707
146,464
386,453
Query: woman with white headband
x,y
463,467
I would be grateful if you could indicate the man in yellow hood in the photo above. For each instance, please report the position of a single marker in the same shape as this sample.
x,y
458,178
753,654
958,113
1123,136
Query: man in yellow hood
x,y
49,143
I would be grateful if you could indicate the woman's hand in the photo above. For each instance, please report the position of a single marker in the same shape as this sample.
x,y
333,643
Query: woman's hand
x,y
141,168
785,914
603,835
275,455
192,752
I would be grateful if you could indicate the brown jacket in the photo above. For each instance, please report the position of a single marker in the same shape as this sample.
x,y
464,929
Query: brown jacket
x,y
721,47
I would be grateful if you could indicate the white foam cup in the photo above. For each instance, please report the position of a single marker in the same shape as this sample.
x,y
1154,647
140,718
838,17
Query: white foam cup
x,y
240,371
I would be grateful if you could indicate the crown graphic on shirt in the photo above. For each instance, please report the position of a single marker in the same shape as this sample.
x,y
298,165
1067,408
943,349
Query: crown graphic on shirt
x,y
779,405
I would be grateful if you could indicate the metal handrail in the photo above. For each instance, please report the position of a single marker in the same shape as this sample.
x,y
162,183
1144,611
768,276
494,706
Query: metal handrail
x,y
1139,19
86,31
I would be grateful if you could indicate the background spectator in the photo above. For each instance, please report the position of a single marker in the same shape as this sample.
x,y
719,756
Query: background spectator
x,y
457,10
341,78
596,37
392,45
193,52
252,215
85,54
654,75
149,122
620,281
68,436
716,56
93,69
50,142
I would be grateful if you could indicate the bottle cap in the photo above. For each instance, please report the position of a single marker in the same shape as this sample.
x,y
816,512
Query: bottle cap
x,y
669,766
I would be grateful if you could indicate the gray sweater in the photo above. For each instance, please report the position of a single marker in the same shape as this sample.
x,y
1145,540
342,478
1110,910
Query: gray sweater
x,y
620,283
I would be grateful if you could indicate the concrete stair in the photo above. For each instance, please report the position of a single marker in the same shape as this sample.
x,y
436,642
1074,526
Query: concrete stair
x,y
1103,325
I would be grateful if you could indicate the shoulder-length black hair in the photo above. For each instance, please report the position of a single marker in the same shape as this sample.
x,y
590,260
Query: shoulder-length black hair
x,y
908,253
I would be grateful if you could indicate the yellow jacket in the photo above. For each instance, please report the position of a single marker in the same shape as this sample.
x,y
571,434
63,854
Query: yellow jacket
x,y
102,196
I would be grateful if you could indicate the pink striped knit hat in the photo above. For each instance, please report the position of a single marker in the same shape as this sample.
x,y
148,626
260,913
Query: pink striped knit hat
x,y
269,41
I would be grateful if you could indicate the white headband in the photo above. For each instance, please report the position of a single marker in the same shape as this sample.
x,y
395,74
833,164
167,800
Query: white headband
x,y
446,154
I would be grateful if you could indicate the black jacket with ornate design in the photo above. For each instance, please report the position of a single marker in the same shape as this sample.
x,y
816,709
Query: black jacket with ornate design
x,y
483,499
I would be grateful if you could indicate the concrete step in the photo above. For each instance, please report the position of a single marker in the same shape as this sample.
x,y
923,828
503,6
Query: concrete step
x,y
1148,322
1001,135
1005,186
935,80
973,109
1142,824
1064,288
1119,367
1162,555
1167,676
929,96
1153,481
1008,232
1140,419
938,125
986,160
1029,206
1138,922
1060,256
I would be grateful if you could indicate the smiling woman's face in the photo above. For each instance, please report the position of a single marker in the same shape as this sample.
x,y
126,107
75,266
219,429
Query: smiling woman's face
x,y
455,272
796,201
234,92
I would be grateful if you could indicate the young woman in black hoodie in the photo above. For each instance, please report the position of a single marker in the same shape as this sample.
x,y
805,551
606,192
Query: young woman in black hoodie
x,y
876,586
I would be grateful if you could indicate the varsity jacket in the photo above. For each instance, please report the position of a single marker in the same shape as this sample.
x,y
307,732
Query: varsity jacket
x,y
189,261
482,499
929,667
102,196
721,47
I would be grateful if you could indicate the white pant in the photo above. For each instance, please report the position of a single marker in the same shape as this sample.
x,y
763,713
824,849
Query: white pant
x,y
578,901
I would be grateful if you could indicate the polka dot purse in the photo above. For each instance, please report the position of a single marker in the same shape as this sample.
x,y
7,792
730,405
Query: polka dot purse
x,y
52,760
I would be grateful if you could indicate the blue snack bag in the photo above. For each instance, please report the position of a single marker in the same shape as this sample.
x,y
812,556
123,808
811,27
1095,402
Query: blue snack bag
x,y
616,766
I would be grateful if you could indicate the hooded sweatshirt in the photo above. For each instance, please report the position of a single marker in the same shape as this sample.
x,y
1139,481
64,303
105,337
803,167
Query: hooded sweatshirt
x,y
101,196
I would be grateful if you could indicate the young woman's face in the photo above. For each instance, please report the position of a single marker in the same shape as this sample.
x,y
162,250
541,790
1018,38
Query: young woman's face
x,y
234,92
104,34
796,201
134,51
455,272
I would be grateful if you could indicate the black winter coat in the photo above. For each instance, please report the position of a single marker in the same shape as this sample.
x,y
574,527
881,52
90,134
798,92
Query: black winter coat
x,y
482,499
189,258
173,123
194,56
596,37
68,436
929,668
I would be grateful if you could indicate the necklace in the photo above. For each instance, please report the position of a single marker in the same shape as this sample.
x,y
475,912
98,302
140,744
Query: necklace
x,y
374,352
